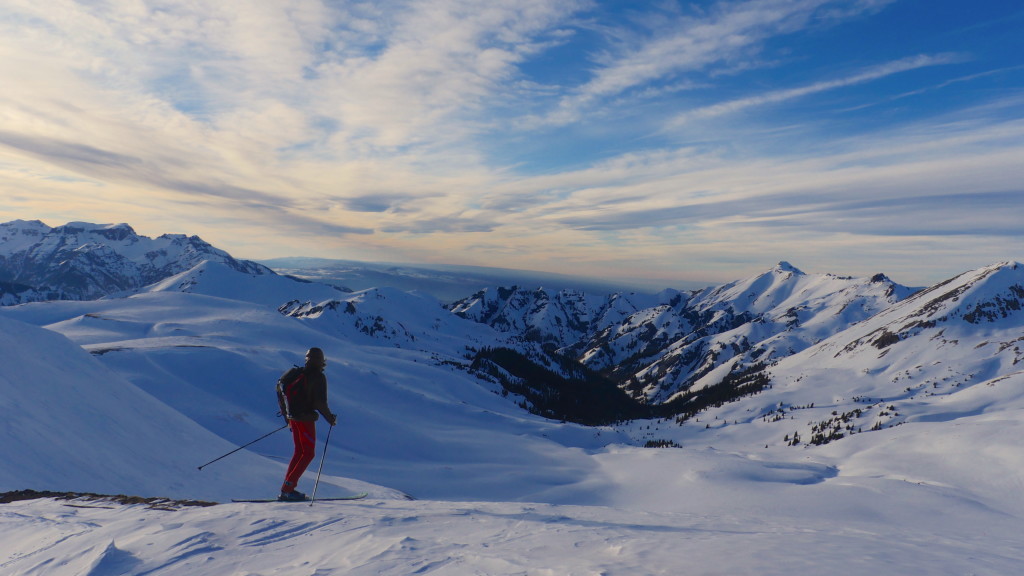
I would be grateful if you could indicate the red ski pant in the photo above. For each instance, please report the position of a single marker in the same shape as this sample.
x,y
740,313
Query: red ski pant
x,y
304,436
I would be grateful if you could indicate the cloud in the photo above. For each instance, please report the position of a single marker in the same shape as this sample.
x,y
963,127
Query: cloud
x,y
74,155
376,202
727,34
936,215
434,70
443,225
99,163
954,179
531,131
777,96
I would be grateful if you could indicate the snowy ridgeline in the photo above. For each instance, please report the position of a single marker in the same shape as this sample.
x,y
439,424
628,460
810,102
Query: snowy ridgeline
x,y
917,409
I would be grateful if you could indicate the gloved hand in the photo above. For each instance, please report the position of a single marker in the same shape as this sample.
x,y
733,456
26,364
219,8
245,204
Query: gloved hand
x,y
332,419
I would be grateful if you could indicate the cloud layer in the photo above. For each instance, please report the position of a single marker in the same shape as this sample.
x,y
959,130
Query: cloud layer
x,y
699,141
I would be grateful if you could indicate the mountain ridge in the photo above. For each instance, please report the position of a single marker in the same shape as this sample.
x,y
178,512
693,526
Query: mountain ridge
x,y
674,354
941,354
84,261
662,345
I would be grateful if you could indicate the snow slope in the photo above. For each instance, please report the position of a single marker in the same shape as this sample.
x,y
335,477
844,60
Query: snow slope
x,y
71,423
146,388
957,342
221,280
216,360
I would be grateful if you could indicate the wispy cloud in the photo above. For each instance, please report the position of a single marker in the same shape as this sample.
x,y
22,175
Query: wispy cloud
x,y
438,67
727,36
777,96
951,184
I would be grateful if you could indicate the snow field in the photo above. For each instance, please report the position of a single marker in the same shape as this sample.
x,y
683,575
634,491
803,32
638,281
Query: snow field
x,y
391,537
130,395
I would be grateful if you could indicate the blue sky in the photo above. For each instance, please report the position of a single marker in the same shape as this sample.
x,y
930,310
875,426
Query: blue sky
x,y
680,141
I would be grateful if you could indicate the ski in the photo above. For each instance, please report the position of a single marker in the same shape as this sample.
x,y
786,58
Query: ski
x,y
329,499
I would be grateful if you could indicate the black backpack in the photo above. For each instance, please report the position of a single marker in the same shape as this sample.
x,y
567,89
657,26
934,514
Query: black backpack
x,y
291,389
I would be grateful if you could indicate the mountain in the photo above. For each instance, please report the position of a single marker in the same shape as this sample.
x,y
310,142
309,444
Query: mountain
x,y
223,280
565,354
660,346
948,354
391,317
128,394
826,424
82,261
944,353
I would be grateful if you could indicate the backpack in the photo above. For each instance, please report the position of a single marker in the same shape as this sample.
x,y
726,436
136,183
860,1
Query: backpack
x,y
290,387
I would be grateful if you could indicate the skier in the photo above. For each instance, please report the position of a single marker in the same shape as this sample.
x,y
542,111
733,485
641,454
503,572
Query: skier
x,y
300,409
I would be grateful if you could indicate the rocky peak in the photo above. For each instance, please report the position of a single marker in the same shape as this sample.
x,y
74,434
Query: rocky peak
x,y
82,261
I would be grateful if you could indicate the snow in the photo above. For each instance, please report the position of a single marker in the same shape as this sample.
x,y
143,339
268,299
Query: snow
x,y
19,235
216,279
130,395
393,537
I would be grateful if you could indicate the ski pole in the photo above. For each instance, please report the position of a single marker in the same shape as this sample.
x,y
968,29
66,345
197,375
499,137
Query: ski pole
x,y
240,447
322,458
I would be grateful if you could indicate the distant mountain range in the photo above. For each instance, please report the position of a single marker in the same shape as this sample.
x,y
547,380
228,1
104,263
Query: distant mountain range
x,y
592,356
660,346
446,282
82,261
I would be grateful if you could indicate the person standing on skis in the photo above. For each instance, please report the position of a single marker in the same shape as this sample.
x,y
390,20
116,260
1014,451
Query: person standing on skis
x,y
302,393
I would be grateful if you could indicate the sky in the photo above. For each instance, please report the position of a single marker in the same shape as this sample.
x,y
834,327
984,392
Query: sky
x,y
684,141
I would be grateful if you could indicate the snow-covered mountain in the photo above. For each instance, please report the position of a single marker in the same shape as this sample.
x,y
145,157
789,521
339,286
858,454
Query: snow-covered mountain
x,y
130,394
877,428
943,353
659,346
391,317
556,352
82,261
222,280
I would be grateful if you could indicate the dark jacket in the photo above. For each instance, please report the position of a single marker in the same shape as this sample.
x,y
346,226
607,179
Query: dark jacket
x,y
310,398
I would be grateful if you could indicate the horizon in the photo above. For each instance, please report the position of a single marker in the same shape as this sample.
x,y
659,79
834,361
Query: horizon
x,y
647,285
676,142
508,274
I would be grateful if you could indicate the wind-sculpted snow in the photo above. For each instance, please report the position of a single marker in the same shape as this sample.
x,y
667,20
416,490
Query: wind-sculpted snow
x,y
781,524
